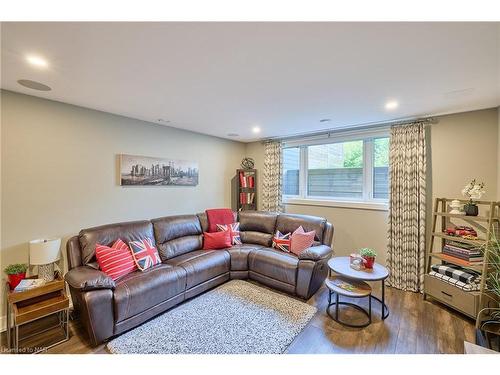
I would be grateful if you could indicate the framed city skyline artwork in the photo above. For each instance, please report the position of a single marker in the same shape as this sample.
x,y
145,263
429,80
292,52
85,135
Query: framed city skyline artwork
x,y
151,171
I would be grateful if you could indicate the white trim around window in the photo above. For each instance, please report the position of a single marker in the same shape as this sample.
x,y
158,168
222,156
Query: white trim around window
x,y
367,201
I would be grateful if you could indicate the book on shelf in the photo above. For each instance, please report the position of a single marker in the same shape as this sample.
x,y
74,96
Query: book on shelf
x,y
247,181
247,198
458,261
28,284
469,258
461,245
463,251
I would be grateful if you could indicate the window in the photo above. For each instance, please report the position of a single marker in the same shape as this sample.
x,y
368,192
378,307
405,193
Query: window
x,y
348,168
291,165
335,170
381,168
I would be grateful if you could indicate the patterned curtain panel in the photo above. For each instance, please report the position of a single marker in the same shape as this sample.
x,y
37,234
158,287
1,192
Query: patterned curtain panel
x,y
406,251
272,183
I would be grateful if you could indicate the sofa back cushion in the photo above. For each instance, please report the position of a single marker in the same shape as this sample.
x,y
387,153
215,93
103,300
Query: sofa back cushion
x,y
257,227
177,235
288,223
108,234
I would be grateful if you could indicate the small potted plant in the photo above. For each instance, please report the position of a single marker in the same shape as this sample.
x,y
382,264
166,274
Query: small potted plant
x,y
473,190
15,273
369,257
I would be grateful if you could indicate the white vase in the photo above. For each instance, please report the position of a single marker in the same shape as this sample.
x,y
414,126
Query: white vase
x,y
456,207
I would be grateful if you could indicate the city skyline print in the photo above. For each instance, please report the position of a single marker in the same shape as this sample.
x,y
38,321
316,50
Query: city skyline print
x,y
151,171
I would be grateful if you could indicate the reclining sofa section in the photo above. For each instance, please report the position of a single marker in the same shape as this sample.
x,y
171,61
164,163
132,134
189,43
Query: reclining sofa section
x,y
108,308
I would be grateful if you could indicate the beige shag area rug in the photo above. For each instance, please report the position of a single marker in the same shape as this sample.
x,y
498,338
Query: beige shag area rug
x,y
236,318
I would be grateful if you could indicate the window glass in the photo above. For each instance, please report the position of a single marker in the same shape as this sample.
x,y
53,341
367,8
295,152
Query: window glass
x,y
335,170
291,166
381,168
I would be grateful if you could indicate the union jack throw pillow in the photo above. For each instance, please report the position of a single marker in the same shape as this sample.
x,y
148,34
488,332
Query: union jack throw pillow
x,y
234,229
282,241
144,253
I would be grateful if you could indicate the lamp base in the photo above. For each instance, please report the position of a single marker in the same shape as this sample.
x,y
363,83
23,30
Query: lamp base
x,y
46,272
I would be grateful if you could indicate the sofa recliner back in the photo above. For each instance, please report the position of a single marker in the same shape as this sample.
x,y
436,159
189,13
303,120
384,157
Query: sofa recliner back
x,y
108,308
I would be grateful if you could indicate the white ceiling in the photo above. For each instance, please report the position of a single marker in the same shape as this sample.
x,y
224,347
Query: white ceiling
x,y
220,78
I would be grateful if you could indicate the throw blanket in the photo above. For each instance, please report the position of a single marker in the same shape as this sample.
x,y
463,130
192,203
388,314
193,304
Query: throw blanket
x,y
216,216
466,287
456,272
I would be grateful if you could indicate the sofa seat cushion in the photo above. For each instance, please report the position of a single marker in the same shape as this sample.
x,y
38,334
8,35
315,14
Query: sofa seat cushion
x,y
239,256
140,290
202,265
274,264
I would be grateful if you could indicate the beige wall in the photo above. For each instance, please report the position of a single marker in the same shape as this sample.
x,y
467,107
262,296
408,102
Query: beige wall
x,y
59,171
462,146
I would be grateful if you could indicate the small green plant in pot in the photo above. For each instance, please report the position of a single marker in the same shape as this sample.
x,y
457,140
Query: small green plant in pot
x,y
15,273
369,257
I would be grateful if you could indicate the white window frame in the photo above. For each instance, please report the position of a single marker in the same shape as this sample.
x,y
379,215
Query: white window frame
x,y
367,201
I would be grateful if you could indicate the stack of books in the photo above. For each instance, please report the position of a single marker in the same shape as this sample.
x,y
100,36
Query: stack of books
x,y
465,252
247,198
247,181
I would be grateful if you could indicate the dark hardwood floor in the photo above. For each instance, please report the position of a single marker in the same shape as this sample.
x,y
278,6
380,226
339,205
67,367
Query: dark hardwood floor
x,y
413,326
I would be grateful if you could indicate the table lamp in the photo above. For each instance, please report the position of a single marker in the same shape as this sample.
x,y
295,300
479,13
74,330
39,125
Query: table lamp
x,y
43,253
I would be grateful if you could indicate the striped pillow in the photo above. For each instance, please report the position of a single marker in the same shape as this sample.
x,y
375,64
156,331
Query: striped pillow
x,y
301,240
115,261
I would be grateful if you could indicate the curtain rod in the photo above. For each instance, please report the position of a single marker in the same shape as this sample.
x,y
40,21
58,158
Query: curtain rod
x,y
364,126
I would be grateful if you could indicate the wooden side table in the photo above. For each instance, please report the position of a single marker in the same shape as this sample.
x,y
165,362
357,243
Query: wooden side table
x,y
33,304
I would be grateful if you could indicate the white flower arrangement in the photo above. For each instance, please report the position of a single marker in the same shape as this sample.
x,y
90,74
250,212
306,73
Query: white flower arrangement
x,y
473,190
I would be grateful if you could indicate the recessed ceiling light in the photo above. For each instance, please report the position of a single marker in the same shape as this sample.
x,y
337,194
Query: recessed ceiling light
x,y
233,135
391,105
34,85
37,61
256,129
325,120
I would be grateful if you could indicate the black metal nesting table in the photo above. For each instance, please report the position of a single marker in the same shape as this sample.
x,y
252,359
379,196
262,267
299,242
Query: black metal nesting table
x,y
349,282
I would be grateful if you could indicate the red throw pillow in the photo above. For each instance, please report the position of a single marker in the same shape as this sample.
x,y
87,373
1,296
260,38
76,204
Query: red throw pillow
x,y
115,261
301,240
216,240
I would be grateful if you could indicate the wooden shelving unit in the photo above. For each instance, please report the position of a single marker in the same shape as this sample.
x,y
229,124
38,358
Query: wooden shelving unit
x,y
246,189
486,224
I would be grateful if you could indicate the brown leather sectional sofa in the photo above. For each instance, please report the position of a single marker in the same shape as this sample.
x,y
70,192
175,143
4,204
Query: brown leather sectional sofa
x,y
108,308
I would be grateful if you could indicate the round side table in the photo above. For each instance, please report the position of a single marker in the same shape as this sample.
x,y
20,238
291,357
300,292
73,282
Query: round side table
x,y
341,267
341,286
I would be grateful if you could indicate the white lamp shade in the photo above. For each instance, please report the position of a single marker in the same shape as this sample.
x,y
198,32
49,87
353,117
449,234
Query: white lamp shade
x,y
45,251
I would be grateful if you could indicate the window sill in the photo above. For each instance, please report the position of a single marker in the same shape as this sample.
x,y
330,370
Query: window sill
x,y
376,206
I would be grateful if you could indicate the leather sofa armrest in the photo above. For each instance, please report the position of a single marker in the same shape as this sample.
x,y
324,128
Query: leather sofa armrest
x,y
85,278
316,253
